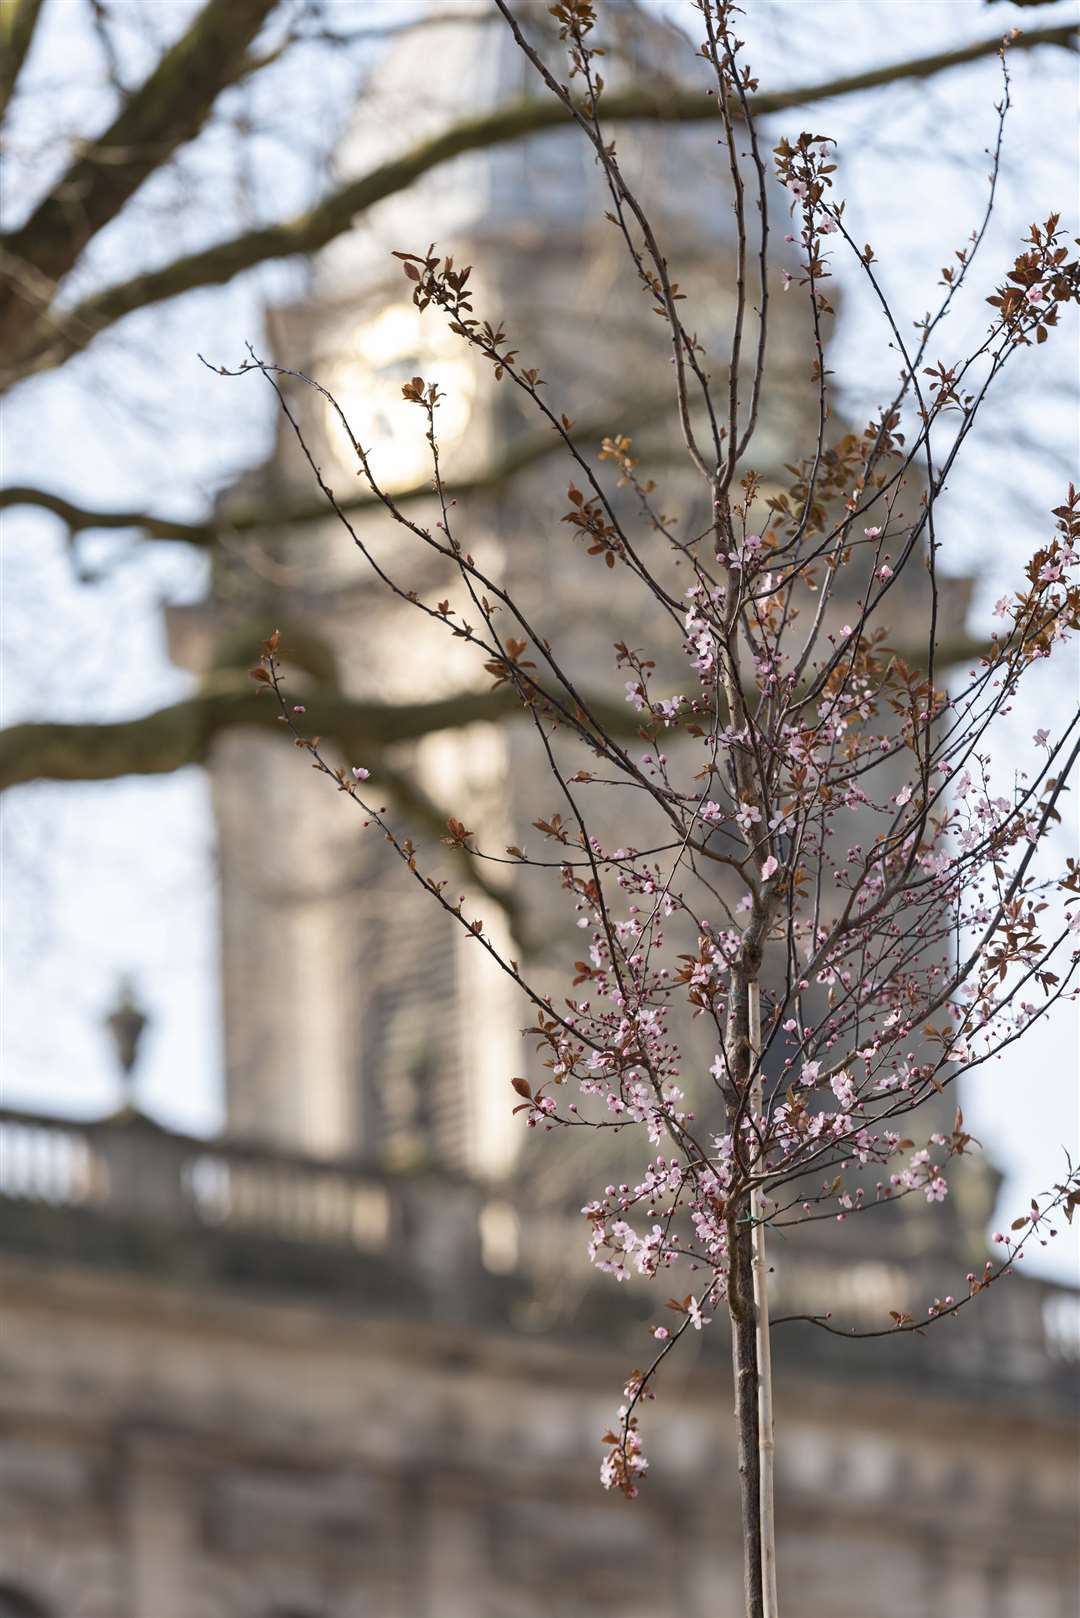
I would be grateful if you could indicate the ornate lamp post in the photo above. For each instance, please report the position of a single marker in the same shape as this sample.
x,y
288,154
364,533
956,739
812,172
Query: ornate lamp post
x,y
126,1024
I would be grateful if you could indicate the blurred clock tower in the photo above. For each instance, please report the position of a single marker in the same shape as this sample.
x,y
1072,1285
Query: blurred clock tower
x,y
357,1018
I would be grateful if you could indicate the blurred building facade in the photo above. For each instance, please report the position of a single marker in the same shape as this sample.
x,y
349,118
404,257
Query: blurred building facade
x,y
348,1361
238,1383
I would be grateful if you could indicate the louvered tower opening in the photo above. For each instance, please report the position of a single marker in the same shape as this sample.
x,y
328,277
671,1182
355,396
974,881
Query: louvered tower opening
x,y
410,1089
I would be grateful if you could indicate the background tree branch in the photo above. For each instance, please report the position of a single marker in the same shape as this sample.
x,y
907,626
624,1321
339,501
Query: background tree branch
x,y
183,733
528,450
55,335
168,109
18,19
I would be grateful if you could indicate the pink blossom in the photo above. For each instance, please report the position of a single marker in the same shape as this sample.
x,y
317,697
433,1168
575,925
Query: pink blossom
x,y
770,866
1041,738
871,533
747,815
360,773
298,707
693,1309
903,796
661,1334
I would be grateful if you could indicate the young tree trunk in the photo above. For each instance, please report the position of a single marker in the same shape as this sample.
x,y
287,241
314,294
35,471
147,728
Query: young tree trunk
x,y
744,1361
766,1442
744,1345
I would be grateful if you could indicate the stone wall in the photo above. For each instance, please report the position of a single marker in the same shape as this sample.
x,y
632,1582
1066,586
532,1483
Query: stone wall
x,y
204,1416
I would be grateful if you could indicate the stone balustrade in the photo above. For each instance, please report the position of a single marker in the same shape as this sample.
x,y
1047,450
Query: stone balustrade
x,y
455,1237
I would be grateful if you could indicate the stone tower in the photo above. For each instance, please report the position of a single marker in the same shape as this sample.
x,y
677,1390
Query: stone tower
x,y
357,1019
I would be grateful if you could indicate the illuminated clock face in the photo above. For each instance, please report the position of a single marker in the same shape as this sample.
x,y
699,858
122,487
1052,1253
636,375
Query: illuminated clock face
x,y
372,364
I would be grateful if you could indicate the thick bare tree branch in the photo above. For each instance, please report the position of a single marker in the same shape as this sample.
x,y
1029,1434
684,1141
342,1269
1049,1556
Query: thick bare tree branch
x,y
168,109
52,340
162,742
166,740
18,19
183,733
